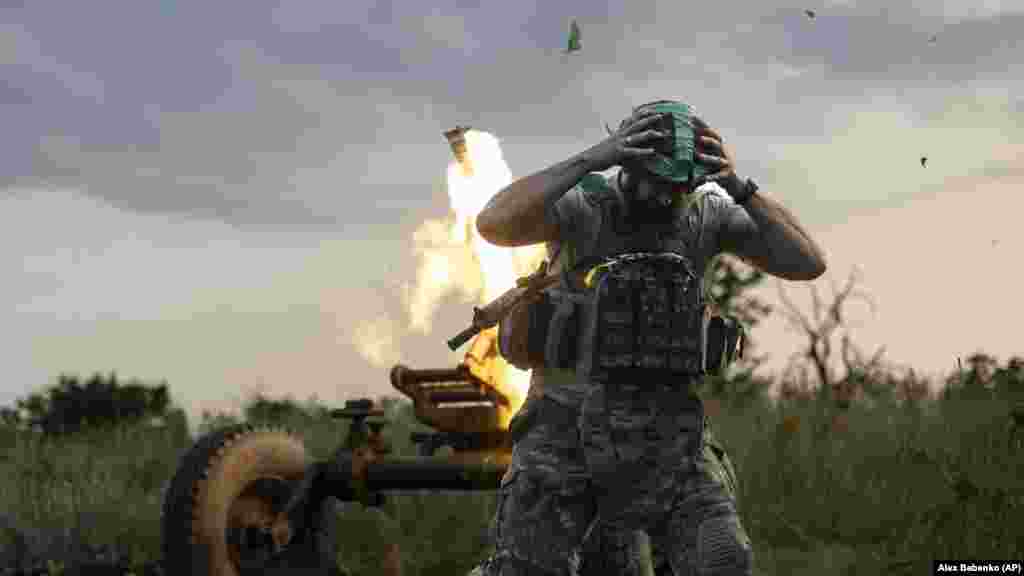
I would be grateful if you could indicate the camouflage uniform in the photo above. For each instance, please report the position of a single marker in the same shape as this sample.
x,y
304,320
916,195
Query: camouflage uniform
x,y
621,457
608,551
611,552
648,458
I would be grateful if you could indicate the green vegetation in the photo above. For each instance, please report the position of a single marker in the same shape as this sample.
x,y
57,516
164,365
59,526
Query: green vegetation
x,y
906,482
905,479
859,472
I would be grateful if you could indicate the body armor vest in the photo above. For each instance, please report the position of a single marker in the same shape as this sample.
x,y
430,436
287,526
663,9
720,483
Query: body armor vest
x,y
644,314
640,311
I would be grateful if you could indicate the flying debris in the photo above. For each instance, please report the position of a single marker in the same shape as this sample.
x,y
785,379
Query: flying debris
x,y
924,159
574,42
810,13
933,39
457,140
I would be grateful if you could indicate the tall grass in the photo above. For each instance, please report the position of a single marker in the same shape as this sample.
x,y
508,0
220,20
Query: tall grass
x,y
899,488
902,485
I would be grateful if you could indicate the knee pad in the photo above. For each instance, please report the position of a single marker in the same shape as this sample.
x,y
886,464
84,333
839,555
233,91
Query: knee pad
x,y
723,548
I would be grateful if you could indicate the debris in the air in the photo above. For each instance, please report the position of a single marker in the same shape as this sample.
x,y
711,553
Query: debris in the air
x,y
457,141
810,13
924,159
933,39
574,42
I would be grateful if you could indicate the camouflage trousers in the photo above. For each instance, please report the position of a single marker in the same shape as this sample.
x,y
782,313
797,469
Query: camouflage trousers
x,y
583,480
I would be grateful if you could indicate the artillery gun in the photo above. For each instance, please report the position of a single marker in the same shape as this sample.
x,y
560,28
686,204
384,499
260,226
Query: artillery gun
x,y
248,501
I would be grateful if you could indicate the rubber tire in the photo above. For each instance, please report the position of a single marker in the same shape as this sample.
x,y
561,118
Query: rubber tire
x,y
209,477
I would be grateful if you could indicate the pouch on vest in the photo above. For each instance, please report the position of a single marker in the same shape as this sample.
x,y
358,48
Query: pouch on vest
x,y
725,339
522,334
563,330
646,313
716,345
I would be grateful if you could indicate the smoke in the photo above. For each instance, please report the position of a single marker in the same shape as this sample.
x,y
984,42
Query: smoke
x,y
447,264
376,341
452,259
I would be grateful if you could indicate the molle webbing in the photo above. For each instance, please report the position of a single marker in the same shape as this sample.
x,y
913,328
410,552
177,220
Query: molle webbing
x,y
645,315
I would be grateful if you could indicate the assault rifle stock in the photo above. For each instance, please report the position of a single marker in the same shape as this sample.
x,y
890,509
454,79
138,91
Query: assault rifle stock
x,y
491,314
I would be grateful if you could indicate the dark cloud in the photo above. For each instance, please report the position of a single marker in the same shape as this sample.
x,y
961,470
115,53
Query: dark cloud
x,y
262,113
314,131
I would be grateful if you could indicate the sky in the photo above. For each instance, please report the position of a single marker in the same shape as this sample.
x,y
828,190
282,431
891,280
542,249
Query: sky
x,y
221,195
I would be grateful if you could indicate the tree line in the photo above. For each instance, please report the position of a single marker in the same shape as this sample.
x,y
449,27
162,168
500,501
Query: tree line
x,y
76,404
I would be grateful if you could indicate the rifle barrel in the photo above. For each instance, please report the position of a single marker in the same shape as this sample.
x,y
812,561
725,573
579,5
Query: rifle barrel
x,y
463,337
491,314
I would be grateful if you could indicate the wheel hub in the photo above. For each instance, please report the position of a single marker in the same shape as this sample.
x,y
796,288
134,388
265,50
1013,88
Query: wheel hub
x,y
256,531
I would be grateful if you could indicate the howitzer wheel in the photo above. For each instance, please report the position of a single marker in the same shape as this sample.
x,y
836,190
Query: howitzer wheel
x,y
229,484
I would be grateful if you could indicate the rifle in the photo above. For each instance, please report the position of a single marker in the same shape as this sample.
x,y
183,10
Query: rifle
x,y
491,314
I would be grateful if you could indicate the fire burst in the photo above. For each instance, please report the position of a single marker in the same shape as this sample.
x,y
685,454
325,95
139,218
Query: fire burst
x,y
454,258
481,173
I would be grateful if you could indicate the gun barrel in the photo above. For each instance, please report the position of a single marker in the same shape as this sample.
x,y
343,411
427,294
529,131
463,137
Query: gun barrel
x,y
419,474
490,442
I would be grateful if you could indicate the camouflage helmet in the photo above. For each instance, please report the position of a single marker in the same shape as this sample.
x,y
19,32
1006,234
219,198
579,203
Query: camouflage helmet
x,y
681,166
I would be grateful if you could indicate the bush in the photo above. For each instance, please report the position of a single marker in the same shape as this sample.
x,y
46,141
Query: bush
x,y
73,406
908,480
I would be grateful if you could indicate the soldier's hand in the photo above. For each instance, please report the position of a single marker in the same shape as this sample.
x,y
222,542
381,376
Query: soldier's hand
x,y
715,155
631,142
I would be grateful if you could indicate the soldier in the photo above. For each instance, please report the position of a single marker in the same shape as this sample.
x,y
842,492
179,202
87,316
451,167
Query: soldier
x,y
612,552
611,435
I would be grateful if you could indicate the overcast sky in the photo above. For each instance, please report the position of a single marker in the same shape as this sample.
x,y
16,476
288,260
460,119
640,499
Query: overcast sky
x,y
216,194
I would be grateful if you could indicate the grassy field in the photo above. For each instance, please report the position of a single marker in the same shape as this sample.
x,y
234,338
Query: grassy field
x,y
900,486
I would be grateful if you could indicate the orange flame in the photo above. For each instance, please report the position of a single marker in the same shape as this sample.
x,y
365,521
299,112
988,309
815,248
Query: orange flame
x,y
453,257
497,267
